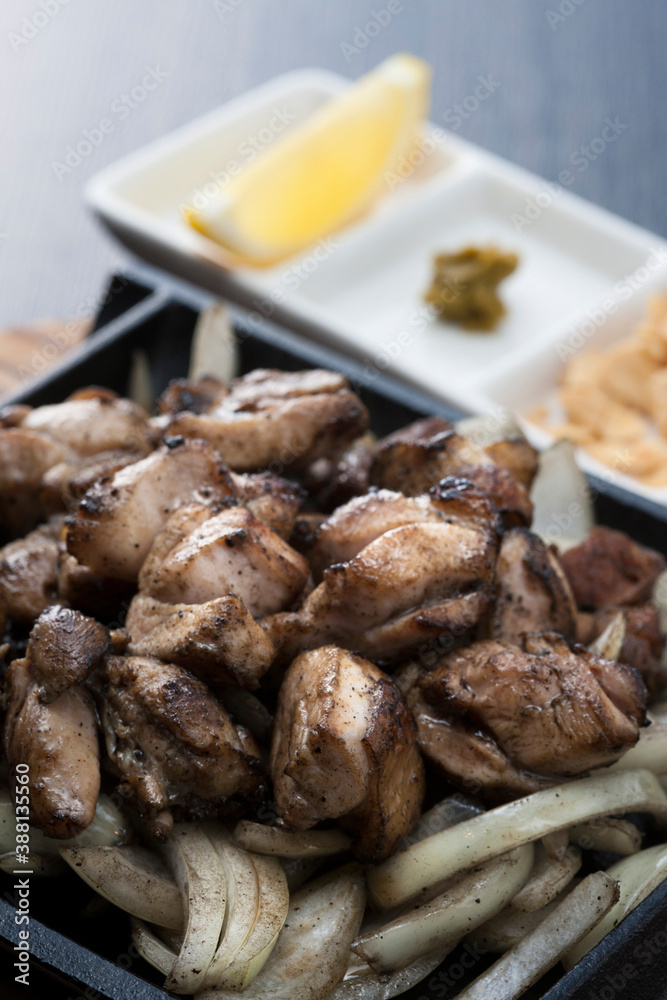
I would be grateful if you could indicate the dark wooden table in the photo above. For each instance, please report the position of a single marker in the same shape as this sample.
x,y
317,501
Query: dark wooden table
x,y
557,77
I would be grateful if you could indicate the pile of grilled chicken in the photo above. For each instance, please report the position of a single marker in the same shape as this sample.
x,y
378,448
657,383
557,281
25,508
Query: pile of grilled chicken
x,y
246,604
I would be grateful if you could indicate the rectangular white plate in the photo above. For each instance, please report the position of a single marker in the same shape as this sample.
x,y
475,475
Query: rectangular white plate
x,y
362,289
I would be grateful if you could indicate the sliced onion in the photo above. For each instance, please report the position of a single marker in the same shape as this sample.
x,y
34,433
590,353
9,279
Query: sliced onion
x,y
132,878
403,877
650,751
540,950
151,948
610,642
547,880
201,879
361,983
313,948
510,926
272,909
272,840
563,510
242,907
444,921
108,827
617,836
637,877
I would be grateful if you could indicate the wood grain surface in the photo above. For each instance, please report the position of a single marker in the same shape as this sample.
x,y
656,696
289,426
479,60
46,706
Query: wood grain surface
x,y
66,65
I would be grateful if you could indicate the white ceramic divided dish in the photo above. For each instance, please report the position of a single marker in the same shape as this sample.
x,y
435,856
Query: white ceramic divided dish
x,y
361,289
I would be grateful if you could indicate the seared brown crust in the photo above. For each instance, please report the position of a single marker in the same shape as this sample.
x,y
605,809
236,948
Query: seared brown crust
x,y
413,583
532,592
273,500
171,740
117,520
93,421
549,711
29,573
283,420
204,551
59,744
642,646
63,648
414,466
218,640
195,397
344,745
608,568
396,784
363,519
25,456
517,456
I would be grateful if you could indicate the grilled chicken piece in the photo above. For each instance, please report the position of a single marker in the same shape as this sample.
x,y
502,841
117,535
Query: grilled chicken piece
x,y
64,485
413,583
608,568
517,456
642,646
413,465
344,747
59,744
29,573
273,500
195,397
217,640
25,456
172,742
283,420
63,648
117,520
204,552
542,712
93,421
357,523
332,482
532,592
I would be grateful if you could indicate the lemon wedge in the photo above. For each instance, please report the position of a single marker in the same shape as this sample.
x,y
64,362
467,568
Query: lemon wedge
x,y
323,173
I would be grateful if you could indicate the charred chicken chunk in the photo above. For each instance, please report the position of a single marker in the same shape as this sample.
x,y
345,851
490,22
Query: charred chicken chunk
x,y
332,482
93,421
63,648
344,747
532,592
58,742
413,465
65,484
273,500
29,573
195,397
25,457
357,523
642,646
117,520
204,552
550,713
172,742
217,640
406,584
608,568
272,418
